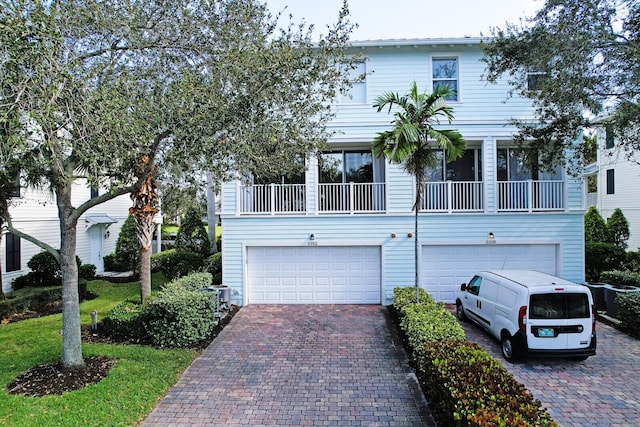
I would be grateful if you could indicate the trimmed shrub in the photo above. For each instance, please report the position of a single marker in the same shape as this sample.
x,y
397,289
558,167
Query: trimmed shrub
x,y
595,229
618,229
45,271
178,264
632,262
601,256
471,388
111,263
466,385
29,299
192,282
158,259
626,278
127,254
126,322
629,312
180,318
87,271
192,236
213,263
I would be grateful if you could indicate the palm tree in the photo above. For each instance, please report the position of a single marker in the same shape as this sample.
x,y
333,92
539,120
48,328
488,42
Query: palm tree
x,y
413,137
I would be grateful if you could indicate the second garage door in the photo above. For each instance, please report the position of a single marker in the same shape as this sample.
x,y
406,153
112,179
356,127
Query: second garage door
x,y
314,275
445,267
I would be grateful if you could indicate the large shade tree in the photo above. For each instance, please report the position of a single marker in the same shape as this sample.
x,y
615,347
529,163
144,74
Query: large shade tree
x,y
108,93
577,60
414,138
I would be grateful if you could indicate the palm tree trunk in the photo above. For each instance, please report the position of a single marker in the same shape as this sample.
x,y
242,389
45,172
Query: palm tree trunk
x,y
415,253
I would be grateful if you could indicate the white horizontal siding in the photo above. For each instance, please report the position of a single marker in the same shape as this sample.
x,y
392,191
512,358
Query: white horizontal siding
x,y
565,230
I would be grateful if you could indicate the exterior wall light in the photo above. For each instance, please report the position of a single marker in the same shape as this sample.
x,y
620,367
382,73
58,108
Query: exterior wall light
x,y
312,236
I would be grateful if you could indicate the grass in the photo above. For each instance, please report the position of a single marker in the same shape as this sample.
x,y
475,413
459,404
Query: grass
x,y
141,376
174,229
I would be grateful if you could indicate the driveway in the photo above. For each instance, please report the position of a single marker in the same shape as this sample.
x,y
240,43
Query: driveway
x,y
602,391
299,365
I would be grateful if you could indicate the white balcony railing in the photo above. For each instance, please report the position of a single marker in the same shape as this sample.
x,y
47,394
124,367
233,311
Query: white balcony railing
x,y
450,196
351,198
273,199
529,196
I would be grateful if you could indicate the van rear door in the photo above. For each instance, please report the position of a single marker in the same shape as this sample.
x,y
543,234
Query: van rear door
x,y
559,321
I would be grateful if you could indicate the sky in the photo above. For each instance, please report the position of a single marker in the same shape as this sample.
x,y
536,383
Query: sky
x,y
401,19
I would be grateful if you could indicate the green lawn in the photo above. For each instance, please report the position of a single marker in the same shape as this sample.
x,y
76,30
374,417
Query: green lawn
x,y
141,376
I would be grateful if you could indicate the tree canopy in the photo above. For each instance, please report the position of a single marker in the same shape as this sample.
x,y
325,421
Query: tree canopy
x,y
578,61
109,92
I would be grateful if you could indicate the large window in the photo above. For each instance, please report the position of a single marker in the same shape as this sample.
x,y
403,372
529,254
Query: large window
x,y
609,137
344,167
466,168
522,164
12,255
357,94
445,73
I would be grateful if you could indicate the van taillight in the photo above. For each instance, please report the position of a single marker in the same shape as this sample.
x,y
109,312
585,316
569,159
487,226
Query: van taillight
x,y
594,315
522,319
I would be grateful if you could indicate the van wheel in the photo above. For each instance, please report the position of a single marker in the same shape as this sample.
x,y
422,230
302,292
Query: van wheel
x,y
507,348
460,312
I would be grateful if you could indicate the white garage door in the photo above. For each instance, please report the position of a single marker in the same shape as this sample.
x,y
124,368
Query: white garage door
x,y
314,275
444,268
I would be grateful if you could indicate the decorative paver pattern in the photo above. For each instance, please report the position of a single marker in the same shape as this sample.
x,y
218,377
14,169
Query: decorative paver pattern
x,y
602,391
298,365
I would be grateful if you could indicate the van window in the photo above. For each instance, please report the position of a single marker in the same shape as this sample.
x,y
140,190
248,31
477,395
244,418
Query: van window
x,y
559,306
474,285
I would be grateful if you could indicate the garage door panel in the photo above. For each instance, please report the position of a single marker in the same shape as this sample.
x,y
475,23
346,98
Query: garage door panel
x,y
444,268
320,275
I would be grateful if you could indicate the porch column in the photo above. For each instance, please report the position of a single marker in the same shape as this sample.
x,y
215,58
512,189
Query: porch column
x,y
489,173
311,185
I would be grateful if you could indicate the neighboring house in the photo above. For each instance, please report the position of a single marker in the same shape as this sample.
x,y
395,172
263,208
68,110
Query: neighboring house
x,y
610,184
35,212
344,232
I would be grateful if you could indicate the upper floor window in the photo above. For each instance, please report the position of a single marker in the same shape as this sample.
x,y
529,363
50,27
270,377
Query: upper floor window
x,y
522,164
611,181
535,80
608,132
445,73
12,255
94,192
466,168
16,188
357,94
345,166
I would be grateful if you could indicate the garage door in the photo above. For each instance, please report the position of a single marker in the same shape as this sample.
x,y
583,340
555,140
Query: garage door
x,y
314,275
444,268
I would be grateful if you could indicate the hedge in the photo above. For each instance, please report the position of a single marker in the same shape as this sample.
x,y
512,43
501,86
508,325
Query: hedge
x,y
626,278
466,385
35,299
192,282
629,312
126,322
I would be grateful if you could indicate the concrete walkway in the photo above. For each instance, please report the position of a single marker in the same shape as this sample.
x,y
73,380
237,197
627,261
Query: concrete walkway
x,y
602,391
299,365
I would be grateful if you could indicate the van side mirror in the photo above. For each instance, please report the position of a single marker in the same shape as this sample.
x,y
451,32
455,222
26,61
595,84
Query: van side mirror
x,y
463,287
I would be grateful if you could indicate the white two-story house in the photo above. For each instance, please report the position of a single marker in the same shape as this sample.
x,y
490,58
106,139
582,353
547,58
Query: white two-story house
x,y
34,212
344,232
609,183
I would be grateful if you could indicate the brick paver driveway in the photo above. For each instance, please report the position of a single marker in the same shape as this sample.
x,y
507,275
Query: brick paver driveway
x,y
302,365
603,391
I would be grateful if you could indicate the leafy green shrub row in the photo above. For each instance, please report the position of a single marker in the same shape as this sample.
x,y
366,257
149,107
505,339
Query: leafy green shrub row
x,y
627,278
174,264
126,322
45,271
29,299
471,388
467,386
111,263
179,316
629,312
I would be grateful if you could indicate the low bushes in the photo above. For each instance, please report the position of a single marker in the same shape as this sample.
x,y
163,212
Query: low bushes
x,y
179,316
629,312
466,385
174,264
626,278
29,299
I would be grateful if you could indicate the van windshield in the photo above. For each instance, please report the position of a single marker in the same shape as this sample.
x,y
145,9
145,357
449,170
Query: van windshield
x,y
559,306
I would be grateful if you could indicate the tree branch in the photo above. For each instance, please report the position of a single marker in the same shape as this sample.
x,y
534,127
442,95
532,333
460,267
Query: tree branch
x,y
29,238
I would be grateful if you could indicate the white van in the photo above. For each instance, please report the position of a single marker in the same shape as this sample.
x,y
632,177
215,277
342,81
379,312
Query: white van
x,y
531,313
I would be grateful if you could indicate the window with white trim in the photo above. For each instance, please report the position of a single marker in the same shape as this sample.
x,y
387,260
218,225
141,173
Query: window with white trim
x,y
445,73
12,252
357,94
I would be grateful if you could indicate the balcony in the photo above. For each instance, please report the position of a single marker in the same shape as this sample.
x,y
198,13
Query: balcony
x,y
273,199
530,196
453,196
352,198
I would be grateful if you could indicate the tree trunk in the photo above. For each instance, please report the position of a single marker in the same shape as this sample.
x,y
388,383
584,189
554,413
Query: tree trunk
x,y
211,214
71,332
145,239
415,256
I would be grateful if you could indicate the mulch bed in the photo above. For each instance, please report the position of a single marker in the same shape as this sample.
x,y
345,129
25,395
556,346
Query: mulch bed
x,y
54,379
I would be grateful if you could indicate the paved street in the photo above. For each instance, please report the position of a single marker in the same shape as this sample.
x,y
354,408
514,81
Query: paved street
x,y
603,391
